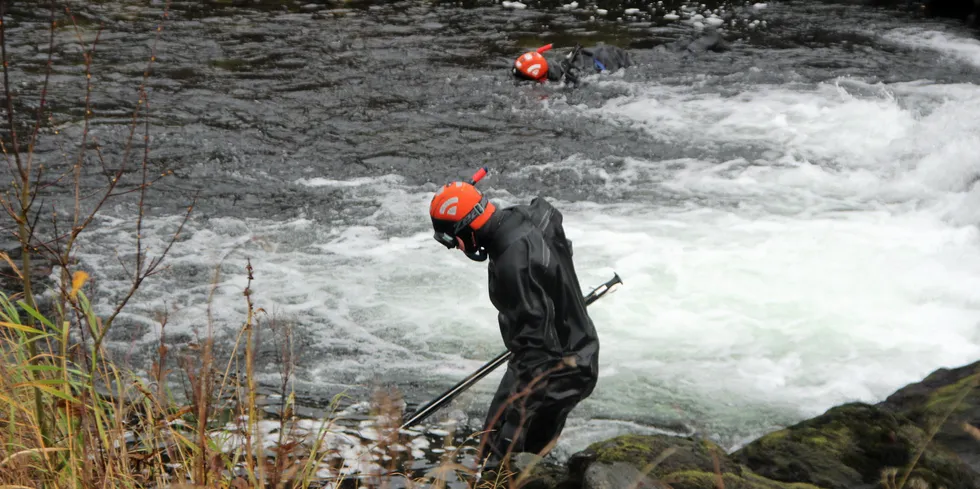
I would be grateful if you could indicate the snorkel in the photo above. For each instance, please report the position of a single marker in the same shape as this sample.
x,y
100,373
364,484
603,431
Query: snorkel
x,y
479,254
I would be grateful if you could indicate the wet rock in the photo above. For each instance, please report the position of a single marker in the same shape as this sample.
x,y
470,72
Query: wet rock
x,y
952,391
710,41
579,463
676,454
664,461
534,472
852,446
708,480
618,475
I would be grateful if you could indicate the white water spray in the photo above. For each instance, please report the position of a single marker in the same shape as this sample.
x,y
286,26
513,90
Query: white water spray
x,y
837,262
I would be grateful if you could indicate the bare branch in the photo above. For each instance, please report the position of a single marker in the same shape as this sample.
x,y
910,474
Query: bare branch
x,y
142,91
47,245
138,188
6,157
57,239
9,208
105,169
89,57
33,227
44,89
143,186
24,172
44,186
122,263
35,188
154,263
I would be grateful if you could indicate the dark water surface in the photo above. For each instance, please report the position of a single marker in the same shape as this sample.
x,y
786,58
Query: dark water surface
x,y
245,101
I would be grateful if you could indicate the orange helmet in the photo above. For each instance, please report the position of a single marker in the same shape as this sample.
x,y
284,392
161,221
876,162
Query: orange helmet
x,y
456,207
532,65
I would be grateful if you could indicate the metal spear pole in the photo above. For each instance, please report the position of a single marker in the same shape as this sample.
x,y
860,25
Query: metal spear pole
x,y
447,396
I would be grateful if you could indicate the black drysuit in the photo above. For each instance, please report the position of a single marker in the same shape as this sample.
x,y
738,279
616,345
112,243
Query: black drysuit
x,y
543,319
587,61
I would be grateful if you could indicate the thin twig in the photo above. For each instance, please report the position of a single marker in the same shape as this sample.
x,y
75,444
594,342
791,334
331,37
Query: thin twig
x,y
86,117
44,88
154,263
24,172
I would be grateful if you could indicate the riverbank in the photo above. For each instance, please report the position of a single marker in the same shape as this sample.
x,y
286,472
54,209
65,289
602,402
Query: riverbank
x,y
923,435
102,425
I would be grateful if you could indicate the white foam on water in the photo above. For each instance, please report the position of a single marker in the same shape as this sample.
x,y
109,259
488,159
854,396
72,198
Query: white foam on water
x,y
379,301
354,182
775,311
837,263
947,44
841,265
890,146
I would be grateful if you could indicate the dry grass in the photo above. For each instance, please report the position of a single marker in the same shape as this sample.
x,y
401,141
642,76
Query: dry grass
x,y
104,426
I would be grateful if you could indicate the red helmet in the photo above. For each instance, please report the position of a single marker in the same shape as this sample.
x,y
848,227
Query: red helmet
x,y
532,65
456,207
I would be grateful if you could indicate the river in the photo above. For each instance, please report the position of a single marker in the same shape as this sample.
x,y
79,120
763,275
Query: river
x,y
794,219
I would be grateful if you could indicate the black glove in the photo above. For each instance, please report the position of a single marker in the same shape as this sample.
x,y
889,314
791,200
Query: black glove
x,y
568,72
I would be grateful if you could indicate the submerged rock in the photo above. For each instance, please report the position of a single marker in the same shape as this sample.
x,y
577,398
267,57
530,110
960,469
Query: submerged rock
x,y
710,40
853,446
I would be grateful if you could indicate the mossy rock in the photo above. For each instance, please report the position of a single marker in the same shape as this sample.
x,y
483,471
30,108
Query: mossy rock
x,y
695,479
849,447
952,391
618,475
680,454
680,463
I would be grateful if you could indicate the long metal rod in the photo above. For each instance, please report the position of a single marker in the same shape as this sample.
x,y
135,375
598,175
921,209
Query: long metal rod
x,y
444,398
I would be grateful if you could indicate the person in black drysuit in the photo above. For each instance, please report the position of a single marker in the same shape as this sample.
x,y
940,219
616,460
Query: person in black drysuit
x,y
541,313
543,319
579,62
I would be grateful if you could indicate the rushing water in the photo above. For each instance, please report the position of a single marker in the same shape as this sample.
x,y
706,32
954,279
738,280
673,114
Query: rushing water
x,y
795,219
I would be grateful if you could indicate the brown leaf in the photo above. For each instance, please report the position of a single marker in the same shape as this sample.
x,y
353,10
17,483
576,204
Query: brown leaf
x,y
78,279
10,262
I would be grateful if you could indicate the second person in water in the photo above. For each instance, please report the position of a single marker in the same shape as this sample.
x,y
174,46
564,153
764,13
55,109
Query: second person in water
x,y
534,66
581,61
